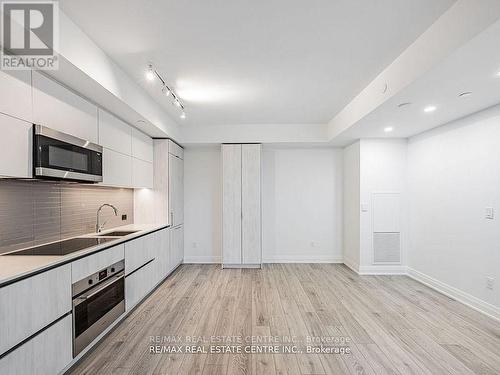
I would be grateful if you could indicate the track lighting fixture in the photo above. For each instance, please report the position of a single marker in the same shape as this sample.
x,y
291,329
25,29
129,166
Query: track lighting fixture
x,y
151,73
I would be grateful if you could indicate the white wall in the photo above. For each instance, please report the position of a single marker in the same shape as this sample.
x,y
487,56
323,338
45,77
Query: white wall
x,y
454,173
351,206
383,168
302,204
202,205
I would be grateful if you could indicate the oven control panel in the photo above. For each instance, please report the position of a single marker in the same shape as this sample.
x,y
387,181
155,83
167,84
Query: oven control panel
x,y
88,282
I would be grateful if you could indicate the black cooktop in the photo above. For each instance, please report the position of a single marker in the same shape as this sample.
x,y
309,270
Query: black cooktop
x,y
63,247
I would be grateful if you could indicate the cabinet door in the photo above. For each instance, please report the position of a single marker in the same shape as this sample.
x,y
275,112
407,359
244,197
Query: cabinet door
x,y
142,146
114,134
251,203
15,94
162,244
231,204
138,252
177,246
59,108
17,138
116,169
138,284
31,304
142,174
47,353
176,190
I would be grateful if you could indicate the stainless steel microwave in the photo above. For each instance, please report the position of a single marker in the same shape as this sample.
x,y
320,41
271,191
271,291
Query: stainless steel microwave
x,y
61,156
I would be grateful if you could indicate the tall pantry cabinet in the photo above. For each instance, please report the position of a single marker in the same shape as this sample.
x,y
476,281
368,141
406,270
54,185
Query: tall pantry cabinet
x,y
241,205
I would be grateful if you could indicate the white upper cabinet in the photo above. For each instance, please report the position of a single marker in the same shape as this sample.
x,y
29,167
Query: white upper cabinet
x,y
16,141
142,174
116,169
142,146
15,94
114,134
58,108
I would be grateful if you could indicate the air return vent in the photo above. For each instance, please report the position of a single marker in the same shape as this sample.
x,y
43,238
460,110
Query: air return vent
x,y
386,247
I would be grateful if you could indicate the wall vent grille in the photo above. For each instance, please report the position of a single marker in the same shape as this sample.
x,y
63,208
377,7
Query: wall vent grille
x,y
387,247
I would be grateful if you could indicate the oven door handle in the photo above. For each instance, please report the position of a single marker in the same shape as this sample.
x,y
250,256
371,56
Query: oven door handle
x,y
104,286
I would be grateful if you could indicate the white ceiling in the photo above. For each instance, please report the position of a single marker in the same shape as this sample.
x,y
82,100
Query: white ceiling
x,y
256,62
472,68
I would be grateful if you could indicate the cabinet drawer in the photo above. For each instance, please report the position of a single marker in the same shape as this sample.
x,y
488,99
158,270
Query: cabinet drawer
x,y
87,266
31,304
138,284
138,252
48,353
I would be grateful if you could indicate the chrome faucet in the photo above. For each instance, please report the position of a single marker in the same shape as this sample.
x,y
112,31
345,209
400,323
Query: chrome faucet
x,y
98,226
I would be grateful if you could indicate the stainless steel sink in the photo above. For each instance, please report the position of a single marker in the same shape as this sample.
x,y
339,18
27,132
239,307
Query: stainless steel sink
x,y
118,233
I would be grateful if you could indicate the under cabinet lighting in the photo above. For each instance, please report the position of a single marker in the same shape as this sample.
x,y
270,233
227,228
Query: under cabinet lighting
x,y
388,129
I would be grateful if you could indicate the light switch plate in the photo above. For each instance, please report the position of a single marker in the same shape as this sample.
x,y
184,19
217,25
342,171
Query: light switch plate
x,y
489,213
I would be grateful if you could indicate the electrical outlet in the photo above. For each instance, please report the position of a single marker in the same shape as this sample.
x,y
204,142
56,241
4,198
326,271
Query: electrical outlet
x,y
489,213
490,283
124,217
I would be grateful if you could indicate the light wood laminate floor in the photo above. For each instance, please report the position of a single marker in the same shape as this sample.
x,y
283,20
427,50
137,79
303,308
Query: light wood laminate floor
x,y
394,324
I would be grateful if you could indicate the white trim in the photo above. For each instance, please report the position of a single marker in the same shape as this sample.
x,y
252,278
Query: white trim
x,y
351,264
383,270
202,259
452,292
302,259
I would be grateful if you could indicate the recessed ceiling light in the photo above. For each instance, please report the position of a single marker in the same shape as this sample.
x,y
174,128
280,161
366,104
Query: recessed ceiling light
x,y
465,94
183,115
498,73
401,105
388,129
430,108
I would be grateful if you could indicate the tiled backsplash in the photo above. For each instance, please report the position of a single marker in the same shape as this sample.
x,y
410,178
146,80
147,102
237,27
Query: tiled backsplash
x,y
34,212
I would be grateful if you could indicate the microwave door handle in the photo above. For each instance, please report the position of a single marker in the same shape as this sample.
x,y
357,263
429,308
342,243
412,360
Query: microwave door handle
x,y
85,297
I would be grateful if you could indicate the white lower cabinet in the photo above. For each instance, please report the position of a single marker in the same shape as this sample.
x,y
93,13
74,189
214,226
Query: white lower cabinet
x,y
29,305
162,247
176,246
138,284
138,252
88,265
47,353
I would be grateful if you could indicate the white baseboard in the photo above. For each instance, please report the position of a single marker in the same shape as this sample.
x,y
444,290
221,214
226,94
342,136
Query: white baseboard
x,y
461,296
301,259
351,264
202,259
382,269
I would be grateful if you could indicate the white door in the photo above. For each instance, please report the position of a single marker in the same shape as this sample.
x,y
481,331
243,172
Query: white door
x,y
231,204
251,203
176,190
